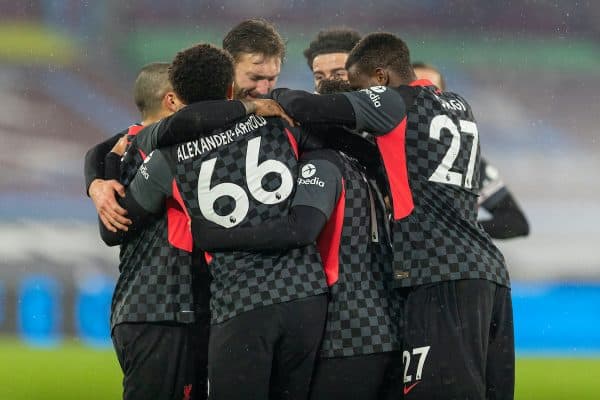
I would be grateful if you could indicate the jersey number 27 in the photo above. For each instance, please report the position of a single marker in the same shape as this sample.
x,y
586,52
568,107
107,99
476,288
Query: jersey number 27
x,y
442,173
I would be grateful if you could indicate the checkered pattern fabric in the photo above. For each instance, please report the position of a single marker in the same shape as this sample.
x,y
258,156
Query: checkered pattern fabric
x,y
441,239
359,316
155,281
243,281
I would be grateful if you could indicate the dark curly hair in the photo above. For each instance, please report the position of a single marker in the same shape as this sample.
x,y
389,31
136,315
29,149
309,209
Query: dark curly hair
x,y
337,40
381,50
331,86
254,35
202,72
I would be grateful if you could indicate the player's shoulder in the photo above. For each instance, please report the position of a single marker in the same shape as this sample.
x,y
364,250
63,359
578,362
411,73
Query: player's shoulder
x,y
159,157
452,101
279,124
276,122
331,157
122,132
321,154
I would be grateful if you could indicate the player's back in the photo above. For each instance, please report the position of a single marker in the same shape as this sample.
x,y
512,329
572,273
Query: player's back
x,y
441,239
359,318
243,175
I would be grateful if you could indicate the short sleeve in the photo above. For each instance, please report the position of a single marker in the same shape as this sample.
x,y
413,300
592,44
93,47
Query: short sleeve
x,y
152,182
319,183
378,109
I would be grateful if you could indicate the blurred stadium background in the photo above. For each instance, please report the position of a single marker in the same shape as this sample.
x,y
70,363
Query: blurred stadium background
x,y
529,69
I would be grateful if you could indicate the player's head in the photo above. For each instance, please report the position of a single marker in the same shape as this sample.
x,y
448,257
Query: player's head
x,y
431,73
379,59
257,50
153,93
331,86
201,72
326,55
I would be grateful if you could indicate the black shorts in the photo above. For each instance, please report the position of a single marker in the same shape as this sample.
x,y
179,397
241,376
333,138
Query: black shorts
x,y
458,341
268,352
162,361
365,377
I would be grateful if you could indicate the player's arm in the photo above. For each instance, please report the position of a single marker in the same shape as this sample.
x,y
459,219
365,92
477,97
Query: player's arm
x,y
103,190
145,196
309,109
313,203
93,167
192,121
508,220
201,119
375,110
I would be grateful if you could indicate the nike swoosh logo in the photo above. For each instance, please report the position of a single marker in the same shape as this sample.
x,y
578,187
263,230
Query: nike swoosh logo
x,y
408,389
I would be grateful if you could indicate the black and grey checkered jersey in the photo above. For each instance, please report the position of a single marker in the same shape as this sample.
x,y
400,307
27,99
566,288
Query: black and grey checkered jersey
x,y
358,319
155,281
242,176
429,145
133,156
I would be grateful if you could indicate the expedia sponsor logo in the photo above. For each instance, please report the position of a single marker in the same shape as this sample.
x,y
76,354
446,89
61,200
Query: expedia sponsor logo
x,y
148,158
378,89
312,181
144,171
375,98
308,170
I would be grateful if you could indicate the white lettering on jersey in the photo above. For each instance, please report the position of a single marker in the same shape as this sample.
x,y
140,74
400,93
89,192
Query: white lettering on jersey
x,y
312,181
198,147
453,104
378,89
308,170
144,171
143,168
372,93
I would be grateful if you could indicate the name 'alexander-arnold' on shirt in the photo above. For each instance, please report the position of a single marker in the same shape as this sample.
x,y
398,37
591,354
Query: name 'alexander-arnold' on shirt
x,y
200,146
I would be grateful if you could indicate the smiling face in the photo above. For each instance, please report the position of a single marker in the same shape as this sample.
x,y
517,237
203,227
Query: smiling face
x,y
329,66
255,75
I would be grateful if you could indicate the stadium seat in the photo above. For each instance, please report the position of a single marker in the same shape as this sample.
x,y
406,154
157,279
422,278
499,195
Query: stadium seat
x,y
39,315
92,310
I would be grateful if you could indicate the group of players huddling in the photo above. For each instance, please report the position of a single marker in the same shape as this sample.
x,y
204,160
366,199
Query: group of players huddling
x,y
291,245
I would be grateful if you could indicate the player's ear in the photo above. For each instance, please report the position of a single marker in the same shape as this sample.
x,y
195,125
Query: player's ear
x,y
381,76
171,102
230,91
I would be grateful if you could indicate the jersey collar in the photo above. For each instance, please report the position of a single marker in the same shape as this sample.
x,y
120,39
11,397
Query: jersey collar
x,y
421,82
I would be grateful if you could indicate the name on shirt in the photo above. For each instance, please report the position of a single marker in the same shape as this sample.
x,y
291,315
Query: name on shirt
x,y
453,104
200,146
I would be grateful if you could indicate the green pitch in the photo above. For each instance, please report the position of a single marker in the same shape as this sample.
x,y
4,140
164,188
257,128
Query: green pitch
x,y
68,372
73,371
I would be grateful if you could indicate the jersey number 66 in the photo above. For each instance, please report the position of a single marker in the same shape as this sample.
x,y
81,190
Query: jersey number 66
x,y
255,172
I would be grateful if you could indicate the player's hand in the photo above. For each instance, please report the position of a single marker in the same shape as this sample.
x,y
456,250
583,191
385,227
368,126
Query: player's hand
x,y
110,212
270,108
120,146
